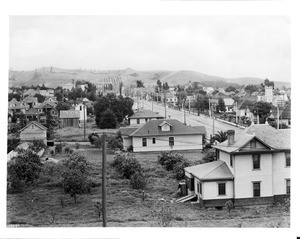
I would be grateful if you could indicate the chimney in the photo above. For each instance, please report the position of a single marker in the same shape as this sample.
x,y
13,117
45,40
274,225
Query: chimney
x,y
230,137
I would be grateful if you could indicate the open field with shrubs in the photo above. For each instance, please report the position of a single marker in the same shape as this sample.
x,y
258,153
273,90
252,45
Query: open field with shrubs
x,y
46,203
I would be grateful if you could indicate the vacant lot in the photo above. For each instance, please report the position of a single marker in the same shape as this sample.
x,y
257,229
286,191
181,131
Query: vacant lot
x,y
41,205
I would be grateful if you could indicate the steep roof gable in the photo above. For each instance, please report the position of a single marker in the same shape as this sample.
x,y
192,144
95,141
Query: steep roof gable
x,y
36,124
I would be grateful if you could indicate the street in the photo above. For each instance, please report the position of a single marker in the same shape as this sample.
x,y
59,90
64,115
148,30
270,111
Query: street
x,y
191,119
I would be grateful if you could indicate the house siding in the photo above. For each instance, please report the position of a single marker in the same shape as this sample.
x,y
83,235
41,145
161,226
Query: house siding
x,y
210,190
245,176
226,158
127,141
280,173
33,133
182,142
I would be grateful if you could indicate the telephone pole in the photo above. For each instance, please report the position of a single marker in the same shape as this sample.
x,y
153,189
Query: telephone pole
x,y
104,181
165,104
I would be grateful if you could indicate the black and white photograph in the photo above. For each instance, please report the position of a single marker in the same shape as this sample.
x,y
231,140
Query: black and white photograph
x,y
150,121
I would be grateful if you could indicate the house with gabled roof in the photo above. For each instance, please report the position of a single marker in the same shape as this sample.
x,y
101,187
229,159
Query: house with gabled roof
x,y
69,118
143,116
283,114
30,102
244,109
33,131
47,109
164,134
252,167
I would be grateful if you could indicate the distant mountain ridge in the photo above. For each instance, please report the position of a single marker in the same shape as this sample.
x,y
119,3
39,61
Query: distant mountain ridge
x,y
53,77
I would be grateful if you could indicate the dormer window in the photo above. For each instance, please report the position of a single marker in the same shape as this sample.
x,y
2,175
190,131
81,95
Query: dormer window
x,y
165,126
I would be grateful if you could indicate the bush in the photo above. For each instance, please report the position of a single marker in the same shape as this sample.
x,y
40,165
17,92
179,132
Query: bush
x,y
50,174
113,142
126,165
169,160
178,168
77,161
130,148
210,156
26,167
37,145
138,180
58,148
14,184
93,137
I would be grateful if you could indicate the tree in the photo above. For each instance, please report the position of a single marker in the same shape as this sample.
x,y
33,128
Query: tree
x,y
59,96
221,136
181,98
40,98
107,120
165,86
221,105
139,84
209,156
267,82
26,166
126,165
230,88
75,181
63,106
252,88
201,103
14,95
262,109
159,85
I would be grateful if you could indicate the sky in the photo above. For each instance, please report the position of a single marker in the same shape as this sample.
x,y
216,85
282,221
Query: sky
x,y
226,46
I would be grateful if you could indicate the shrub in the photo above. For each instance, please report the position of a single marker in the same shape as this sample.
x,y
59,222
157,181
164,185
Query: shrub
x,y
93,137
14,184
130,148
37,145
77,145
126,165
26,166
58,148
178,168
138,180
76,161
210,156
113,142
50,174
169,160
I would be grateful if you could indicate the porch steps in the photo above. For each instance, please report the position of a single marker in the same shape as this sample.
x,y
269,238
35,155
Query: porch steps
x,y
186,198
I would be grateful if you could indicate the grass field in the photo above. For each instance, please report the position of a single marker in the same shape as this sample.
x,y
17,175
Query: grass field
x,y
41,205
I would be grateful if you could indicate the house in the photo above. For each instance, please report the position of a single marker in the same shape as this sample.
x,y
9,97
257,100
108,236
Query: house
x,y
30,92
163,134
244,109
69,118
33,131
143,116
15,106
33,115
82,108
229,104
252,168
47,109
30,102
68,86
284,114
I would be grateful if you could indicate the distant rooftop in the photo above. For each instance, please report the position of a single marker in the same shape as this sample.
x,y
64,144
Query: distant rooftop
x,y
145,114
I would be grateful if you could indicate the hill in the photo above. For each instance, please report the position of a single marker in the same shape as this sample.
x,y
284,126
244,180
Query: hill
x,y
53,77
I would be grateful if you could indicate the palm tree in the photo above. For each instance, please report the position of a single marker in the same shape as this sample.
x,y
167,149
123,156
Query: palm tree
x,y
221,136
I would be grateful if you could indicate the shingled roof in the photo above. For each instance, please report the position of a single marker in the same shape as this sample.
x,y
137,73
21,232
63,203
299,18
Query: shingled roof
x,y
273,138
69,114
210,171
126,131
152,128
145,114
246,103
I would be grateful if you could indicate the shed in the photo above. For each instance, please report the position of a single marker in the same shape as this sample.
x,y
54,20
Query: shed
x,y
69,118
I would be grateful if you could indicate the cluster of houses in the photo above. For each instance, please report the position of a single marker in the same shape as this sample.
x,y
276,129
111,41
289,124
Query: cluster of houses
x,y
251,167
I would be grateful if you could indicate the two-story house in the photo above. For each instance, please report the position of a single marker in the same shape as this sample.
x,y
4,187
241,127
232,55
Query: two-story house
x,y
252,167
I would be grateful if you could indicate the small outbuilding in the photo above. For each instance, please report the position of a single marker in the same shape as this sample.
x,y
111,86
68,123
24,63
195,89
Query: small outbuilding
x,y
69,118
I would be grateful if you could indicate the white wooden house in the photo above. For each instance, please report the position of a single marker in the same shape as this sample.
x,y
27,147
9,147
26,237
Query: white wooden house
x,y
162,135
143,116
252,168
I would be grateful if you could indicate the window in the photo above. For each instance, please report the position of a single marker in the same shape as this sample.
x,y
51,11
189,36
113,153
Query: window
x,y
171,141
288,186
80,107
256,161
222,188
253,144
256,189
144,141
217,154
200,188
153,140
231,160
288,159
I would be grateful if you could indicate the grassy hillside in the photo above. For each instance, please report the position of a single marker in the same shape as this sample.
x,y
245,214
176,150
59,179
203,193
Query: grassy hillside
x,y
53,77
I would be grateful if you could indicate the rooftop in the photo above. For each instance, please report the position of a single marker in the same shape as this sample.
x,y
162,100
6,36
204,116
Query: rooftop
x,y
153,128
145,114
209,171
273,138
67,114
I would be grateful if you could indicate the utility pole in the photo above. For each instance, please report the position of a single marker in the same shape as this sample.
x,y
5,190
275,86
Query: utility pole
x,y
189,105
165,104
184,118
209,108
152,102
236,117
277,117
84,109
104,181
